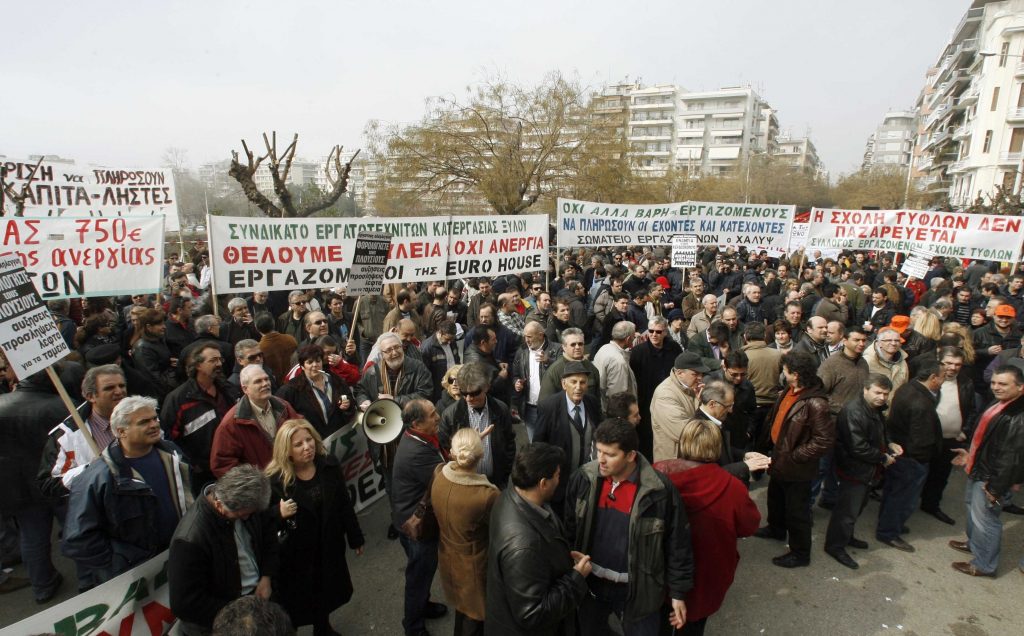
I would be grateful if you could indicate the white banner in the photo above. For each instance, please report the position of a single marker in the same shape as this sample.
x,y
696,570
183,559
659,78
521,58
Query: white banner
x,y
754,226
136,603
961,235
71,257
66,189
271,254
28,335
497,245
365,485
798,237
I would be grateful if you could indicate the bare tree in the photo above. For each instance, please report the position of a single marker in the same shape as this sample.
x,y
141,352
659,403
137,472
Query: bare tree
x,y
7,190
279,166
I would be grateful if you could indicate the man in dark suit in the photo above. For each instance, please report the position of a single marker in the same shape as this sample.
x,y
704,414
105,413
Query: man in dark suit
x,y
486,415
568,420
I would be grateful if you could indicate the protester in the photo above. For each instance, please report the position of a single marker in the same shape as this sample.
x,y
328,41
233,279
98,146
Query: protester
x,y
320,397
311,502
719,511
535,583
223,549
419,457
123,509
462,498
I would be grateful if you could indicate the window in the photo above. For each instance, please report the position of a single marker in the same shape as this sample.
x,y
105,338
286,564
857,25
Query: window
x,y
1003,52
988,141
1020,96
995,98
1017,140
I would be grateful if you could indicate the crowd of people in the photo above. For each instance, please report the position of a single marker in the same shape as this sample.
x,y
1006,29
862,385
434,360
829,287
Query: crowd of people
x,y
575,451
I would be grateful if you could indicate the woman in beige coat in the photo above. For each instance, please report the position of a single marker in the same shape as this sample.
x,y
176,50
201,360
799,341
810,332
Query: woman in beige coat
x,y
462,499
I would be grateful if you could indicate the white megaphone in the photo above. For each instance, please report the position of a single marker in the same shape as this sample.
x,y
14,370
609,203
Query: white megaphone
x,y
382,421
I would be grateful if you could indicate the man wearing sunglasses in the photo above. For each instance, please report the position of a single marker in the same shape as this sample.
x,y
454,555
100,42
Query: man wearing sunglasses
x,y
651,362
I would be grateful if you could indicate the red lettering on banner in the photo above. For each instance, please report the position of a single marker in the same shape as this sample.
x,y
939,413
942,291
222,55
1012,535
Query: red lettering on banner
x,y
414,250
157,616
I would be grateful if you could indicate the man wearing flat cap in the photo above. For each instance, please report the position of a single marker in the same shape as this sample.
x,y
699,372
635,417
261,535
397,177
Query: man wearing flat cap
x,y
674,402
568,420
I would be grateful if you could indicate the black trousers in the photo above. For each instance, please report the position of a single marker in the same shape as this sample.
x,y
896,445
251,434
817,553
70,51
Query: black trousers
x,y
938,475
466,626
852,498
789,509
695,628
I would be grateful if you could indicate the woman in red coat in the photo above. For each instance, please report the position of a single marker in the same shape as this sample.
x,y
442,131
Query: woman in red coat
x,y
720,512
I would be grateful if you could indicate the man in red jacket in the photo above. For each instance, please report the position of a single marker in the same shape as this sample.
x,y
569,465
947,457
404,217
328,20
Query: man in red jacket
x,y
246,434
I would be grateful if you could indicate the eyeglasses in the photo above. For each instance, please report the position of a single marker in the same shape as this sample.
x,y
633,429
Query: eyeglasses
x,y
656,331
473,394
301,302
253,357
214,360
393,349
574,344
319,322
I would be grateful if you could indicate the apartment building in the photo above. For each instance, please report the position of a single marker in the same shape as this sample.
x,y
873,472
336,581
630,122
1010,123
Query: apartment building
x,y
971,132
798,153
892,143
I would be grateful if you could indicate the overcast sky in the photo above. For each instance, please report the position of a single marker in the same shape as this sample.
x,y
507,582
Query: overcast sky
x,y
119,82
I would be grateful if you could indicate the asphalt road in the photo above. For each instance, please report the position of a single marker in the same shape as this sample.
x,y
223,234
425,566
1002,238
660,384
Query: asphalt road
x,y
892,593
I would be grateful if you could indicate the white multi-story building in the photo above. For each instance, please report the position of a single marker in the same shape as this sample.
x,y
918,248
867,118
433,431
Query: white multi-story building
x,y
706,132
798,153
971,136
892,143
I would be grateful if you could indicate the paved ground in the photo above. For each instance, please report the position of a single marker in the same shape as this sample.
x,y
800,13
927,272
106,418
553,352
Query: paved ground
x,y
892,592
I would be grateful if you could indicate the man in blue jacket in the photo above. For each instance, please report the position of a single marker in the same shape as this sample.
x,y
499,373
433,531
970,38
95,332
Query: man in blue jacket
x,y
124,507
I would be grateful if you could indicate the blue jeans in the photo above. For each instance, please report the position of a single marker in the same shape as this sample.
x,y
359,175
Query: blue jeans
x,y
827,483
35,526
530,419
901,496
984,527
419,575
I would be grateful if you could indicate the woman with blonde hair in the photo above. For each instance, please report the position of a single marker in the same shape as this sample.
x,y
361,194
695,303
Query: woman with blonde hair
x,y
310,498
966,343
462,499
925,331
720,511
450,385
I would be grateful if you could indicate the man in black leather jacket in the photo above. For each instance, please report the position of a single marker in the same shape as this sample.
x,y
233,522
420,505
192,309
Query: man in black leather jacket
x,y
861,452
207,567
534,582
994,463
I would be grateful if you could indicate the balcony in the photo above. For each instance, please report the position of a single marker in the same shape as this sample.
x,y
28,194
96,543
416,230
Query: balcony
x,y
957,166
962,132
709,110
1008,158
969,96
1015,115
660,105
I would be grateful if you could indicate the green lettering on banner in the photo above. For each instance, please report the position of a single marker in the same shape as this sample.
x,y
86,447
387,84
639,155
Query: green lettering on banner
x,y
83,622
137,591
346,443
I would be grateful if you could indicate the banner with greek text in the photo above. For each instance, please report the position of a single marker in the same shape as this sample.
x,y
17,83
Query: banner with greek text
x,y
270,254
136,603
755,226
89,256
496,245
974,236
365,485
64,188
28,335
